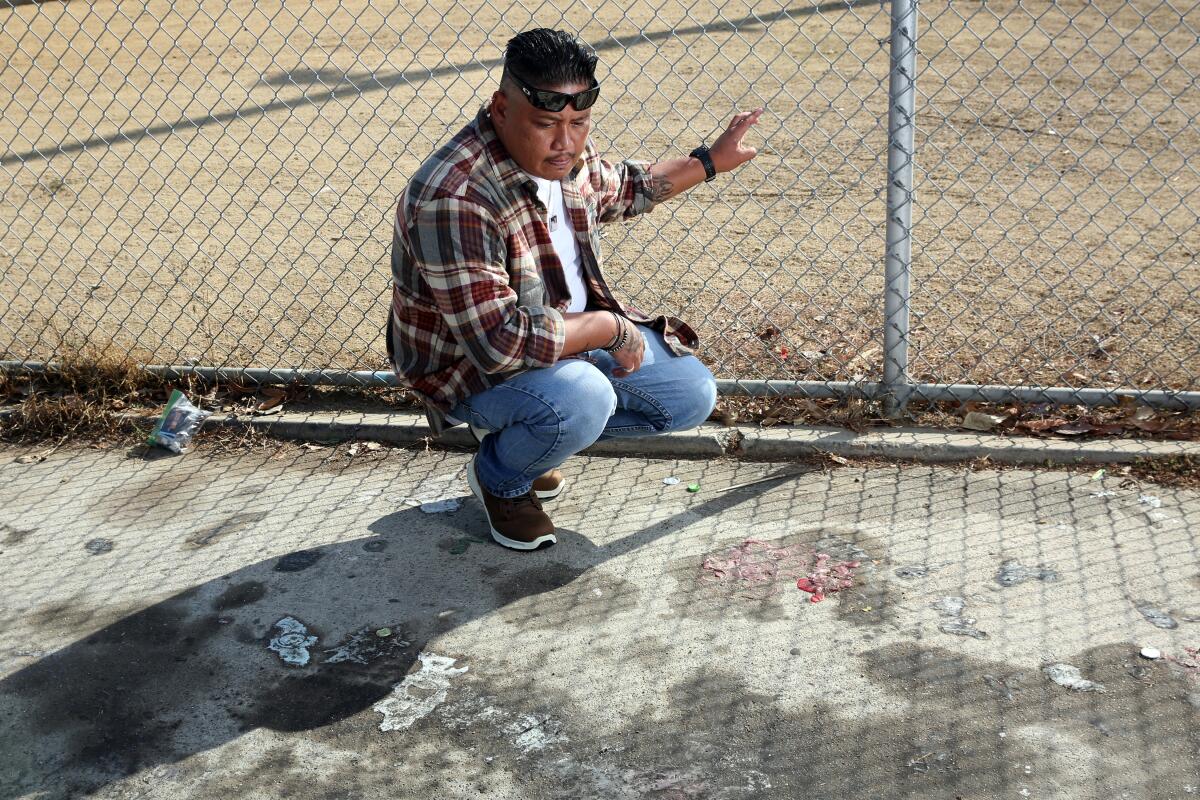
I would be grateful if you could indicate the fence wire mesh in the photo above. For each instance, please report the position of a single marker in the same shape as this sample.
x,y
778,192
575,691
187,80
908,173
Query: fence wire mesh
x,y
1056,208
212,183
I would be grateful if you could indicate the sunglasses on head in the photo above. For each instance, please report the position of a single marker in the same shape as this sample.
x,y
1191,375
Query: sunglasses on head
x,y
547,100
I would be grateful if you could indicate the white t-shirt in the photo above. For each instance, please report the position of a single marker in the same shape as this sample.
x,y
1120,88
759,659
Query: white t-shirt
x,y
562,236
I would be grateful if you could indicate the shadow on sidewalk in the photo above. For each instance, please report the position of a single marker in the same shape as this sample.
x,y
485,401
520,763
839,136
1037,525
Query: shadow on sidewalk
x,y
193,672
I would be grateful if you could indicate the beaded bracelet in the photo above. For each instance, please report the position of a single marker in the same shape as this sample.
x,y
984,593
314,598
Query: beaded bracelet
x,y
622,337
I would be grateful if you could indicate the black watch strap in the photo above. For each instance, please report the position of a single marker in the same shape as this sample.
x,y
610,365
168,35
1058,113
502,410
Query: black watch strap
x,y
710,169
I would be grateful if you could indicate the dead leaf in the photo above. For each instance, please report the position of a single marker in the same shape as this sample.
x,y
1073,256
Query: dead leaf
x,y
979,421
835,458
1076,428
1102,346
1143,413
768,332
1042,425
311,446
767,422
372,446
353,451
866,356
31,458
1151,425
273,401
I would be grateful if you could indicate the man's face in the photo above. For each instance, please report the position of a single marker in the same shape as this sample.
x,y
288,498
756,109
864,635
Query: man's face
x,y
543,143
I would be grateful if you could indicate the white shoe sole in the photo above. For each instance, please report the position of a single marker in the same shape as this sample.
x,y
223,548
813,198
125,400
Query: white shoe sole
x,y
553,493
500,538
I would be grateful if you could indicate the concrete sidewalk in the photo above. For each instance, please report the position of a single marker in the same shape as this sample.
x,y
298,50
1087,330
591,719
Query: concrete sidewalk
x,y
152,605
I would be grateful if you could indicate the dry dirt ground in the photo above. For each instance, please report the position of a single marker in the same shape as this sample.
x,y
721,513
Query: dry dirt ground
x,y
199,181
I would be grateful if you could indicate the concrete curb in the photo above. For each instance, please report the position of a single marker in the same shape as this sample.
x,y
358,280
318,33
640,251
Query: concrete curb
x,y
758,444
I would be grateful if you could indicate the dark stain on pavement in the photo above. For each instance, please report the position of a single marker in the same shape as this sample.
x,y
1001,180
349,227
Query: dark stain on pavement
x,y
303,702
171,681
240,594
298,561
535,581
13,534
869,602
106,695
578,594
234,524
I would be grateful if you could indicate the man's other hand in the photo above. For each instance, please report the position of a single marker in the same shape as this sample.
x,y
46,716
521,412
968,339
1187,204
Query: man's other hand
x,y
629,357
728,153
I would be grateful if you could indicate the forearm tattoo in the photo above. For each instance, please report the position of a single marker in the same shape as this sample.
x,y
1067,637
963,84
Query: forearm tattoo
x,y
663,188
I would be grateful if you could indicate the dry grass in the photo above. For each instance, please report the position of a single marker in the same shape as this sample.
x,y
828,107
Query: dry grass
x,y
84,399
1181,471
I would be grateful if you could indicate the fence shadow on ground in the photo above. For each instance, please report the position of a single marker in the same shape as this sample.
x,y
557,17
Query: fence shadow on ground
x,y
112,686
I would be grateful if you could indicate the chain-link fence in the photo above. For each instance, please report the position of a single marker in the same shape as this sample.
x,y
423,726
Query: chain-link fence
x,y
980,200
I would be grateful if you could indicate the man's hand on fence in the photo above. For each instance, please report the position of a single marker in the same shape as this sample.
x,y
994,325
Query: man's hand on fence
x,y
728,153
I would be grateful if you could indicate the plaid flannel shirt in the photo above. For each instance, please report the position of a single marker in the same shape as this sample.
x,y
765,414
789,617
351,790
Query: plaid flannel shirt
x,y
478,292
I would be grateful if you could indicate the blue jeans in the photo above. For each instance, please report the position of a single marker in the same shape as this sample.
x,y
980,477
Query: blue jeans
x,y
542,417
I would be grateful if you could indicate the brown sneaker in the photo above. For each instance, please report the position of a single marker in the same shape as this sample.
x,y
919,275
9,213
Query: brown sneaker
x,y
546,487
550,485
517,522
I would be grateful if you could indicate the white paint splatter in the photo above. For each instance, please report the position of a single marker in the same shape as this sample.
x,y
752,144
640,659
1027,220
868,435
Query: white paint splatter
x,y
418,694
1070,677
292,642
1150,500
365,498
529,733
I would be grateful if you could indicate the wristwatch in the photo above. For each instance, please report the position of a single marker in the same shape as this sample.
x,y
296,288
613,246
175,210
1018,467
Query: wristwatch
x,y
710,169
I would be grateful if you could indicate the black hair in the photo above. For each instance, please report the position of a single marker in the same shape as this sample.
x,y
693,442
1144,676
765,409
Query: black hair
x,y
546,58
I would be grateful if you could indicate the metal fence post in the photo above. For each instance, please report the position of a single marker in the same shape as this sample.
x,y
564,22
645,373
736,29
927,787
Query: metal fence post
x,y
898,253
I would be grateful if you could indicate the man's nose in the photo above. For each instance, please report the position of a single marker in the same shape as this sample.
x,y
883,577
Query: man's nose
x,y
562,138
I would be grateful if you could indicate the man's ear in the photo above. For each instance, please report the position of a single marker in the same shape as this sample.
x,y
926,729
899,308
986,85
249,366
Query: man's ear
x,y
499,107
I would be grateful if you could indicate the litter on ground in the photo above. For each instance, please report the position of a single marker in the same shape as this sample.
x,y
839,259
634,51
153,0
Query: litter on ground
x,y
448,505
364,646
440,494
